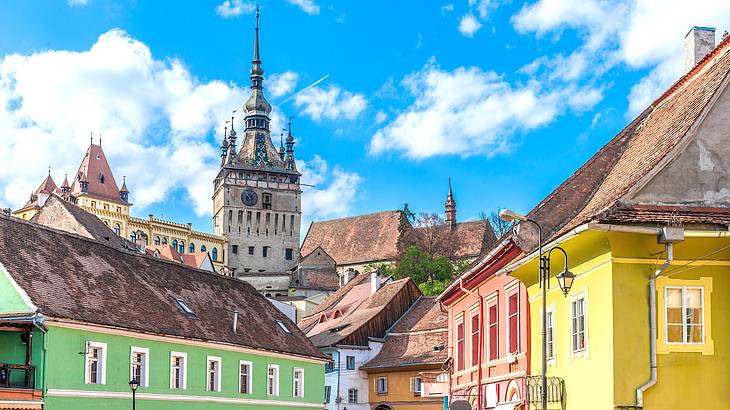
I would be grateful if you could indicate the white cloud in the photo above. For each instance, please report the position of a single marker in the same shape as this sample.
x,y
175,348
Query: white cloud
x,y
447,8
309,6
642,34
468,25
334,192
482,6
380,117
281,83
234,8
332,103
470,112
154,115
73,3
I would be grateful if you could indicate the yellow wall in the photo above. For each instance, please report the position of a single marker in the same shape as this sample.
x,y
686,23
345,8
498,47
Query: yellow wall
x,y
614,270
400,396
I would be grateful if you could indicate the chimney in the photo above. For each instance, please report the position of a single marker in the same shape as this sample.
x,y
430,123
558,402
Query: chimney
x,y
374,281
698,42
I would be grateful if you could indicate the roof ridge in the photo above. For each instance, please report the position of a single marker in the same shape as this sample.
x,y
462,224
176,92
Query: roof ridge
x,y
355,216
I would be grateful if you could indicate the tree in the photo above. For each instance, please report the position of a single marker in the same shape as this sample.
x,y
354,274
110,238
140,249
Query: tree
x,y
431,274
432,235
499,225
406,217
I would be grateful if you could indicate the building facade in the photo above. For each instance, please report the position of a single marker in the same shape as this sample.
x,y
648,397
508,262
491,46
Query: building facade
x,y
79,319
94,189
256,194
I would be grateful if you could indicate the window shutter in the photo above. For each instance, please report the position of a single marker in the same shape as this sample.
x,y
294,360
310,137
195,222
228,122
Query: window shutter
x,y
385,384
375,385
413,384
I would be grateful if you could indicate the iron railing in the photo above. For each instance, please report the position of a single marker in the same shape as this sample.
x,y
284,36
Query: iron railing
x,y
533,388
17,376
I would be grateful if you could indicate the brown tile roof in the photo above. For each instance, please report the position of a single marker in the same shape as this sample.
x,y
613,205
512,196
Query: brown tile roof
x,y
168,252
630,156
60,214
92,167
333,299
418,338
358,315
47,187
664,214
69,277
357,239
315,278
472,238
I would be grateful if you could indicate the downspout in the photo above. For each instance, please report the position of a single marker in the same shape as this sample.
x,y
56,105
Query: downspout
x,y
652,325
481,341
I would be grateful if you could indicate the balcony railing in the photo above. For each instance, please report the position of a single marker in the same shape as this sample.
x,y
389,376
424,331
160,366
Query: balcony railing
x,y
17,376
533,387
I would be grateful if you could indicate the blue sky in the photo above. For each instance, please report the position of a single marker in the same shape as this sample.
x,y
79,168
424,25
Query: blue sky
x,y
506,97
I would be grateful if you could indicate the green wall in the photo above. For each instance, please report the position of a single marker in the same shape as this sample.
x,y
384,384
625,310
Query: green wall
x,y
65,370
10,300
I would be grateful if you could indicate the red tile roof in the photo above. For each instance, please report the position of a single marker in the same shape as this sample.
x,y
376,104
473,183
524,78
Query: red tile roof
x,y
92,167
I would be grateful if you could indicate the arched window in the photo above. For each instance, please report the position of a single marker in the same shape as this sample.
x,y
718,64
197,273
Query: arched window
x,y
117,229
157,240
174,244
164,240
191,247
181,248
133,237
214,254
202,248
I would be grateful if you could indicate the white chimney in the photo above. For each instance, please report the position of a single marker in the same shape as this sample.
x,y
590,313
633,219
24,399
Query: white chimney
x,y
374,281
698,42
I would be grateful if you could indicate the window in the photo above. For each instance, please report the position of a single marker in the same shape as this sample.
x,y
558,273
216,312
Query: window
x,y
493,331
381,385
350,362
416,385
93,204
289,254
164,240
174,245
329,366
214,254
283,327
133,237
266,251
474,338
266,201
327,393
251,250
578,323
550,330
246,376
213,374
513,322
157,240
95,363
352,396
178,370
202,248
191,247
184,307
684,322
234,248
117,229
460,345
139,365
106,207
298,382
272,385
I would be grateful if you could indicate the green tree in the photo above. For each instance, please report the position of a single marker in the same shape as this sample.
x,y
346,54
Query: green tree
x,y
431,274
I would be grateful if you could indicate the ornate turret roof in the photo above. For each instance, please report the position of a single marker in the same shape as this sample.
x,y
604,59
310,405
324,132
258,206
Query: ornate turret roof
x,y
257,104
95,170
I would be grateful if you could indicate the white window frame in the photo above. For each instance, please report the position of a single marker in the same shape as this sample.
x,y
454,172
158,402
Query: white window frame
x,y
350,392
327,393
416,385
101,362
145,373
684,315
216,373
298,370
514,290
184,356
249,376
275,384
550,332
384,390
347,363
583,352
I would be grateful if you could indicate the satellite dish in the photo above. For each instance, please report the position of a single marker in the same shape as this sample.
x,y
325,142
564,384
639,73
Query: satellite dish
x,y
460,405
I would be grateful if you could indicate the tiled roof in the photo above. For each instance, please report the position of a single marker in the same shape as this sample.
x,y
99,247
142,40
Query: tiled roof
x,y
664,215
358,315
357,239
69,277
472,238
630,156
92,167
418,338
315,278
193,260
47,187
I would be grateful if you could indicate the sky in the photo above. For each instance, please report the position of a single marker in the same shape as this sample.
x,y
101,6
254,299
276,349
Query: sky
x,y
389,99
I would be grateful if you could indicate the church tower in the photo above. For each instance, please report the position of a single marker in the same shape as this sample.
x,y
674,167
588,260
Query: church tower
x,y
256,194
450,208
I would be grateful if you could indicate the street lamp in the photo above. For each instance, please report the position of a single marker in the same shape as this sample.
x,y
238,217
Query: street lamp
x,y
565,280
133,384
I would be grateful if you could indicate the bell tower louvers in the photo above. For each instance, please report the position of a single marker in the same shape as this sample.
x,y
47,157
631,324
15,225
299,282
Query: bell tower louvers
x,y
256,195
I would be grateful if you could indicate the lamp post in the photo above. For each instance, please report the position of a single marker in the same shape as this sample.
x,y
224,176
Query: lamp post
x,y
565,280
133,384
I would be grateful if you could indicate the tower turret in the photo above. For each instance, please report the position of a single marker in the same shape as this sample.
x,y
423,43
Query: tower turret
x,y
450,208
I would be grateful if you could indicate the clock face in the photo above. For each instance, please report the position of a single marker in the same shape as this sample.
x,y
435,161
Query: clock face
x,y
249,197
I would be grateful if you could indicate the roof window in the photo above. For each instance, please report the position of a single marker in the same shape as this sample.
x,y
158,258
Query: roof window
x,y
283,327
184,307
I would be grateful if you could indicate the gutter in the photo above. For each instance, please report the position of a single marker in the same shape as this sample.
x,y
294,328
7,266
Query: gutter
x,y
652,324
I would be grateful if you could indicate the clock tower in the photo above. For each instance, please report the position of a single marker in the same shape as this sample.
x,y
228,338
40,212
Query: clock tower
x,y
256,194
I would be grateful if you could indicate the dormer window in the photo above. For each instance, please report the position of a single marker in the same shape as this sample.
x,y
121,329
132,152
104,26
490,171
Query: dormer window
x,y
101,178
283,327
184,307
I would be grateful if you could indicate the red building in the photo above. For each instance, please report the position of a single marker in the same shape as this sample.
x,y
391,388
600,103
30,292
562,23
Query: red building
x,y
488,334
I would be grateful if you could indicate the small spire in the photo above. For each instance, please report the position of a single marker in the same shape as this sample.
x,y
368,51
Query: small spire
x,y
49,170
450,207
100,139
92,137
256,70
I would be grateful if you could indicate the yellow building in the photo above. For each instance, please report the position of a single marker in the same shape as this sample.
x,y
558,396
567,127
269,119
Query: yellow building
x,y
407,372
644,224
94,189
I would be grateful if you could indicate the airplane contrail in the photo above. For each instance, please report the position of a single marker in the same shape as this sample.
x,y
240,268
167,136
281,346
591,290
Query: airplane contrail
x,y
305,88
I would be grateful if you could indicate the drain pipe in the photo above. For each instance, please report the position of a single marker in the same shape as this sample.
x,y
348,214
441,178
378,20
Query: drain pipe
x,y
652,324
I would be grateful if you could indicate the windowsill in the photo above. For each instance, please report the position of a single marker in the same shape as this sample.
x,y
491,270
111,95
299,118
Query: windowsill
x,y
706,348
580,354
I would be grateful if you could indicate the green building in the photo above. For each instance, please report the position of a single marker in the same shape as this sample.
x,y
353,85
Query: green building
x,y
80,318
